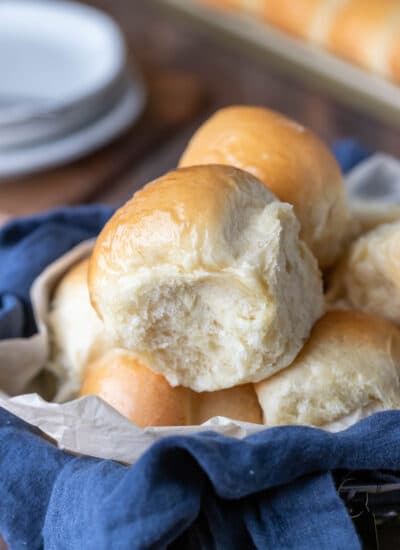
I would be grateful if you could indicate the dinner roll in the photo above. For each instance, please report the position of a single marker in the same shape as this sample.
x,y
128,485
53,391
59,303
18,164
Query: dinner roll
x,y
203,275
349,368
290,160
146,398
368,278
76,333
366,32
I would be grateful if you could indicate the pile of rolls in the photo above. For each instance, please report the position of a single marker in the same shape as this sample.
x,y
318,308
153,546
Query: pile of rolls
x,y
365,32
236,286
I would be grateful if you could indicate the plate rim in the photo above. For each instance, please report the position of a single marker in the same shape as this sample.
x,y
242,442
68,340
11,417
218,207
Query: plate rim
x,y
48,155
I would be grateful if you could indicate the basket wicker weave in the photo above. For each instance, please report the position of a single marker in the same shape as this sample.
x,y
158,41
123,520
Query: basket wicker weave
x,y
373,502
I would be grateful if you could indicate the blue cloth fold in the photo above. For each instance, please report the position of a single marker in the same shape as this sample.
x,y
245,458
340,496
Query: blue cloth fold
x,y
349,153
272,490
28,245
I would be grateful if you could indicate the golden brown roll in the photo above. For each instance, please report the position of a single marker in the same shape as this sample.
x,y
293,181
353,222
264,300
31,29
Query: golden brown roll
x,y
290,160
362,32
238,403
146,398
203,275
395,58
76,333
295,17
368,278
349,368
366,32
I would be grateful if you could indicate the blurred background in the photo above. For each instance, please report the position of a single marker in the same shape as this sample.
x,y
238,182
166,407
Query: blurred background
x,y
88,114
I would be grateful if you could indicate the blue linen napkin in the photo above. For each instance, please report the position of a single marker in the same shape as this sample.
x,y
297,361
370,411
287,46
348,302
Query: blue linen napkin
x,y
27,246
271,490
349,153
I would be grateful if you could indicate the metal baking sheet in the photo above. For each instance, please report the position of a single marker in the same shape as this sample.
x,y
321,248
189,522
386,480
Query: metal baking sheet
x,y
346,82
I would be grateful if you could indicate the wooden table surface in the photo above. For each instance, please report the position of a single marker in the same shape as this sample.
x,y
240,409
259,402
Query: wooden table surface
x,y
193,74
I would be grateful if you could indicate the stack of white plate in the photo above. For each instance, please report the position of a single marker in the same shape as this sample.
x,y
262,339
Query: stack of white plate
x,y
65,90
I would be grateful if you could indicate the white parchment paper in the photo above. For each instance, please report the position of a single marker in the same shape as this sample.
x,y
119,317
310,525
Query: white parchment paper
x,y
90,426
21,359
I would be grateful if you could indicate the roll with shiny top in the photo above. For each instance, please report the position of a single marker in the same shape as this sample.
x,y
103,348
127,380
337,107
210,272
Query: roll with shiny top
x,y
366,32
202,274
290,160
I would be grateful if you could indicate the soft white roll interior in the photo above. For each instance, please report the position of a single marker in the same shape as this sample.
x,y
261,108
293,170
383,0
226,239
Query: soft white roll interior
x,y
203,274
349,368
368,278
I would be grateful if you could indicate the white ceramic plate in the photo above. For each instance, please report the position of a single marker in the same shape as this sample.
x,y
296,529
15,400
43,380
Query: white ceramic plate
x,y
25,160
61,65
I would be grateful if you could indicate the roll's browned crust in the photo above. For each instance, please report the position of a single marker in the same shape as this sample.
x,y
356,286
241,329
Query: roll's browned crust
x,y
295,17
366,32
290,160
146,398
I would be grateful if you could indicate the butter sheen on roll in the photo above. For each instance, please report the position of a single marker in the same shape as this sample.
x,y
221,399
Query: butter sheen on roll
x,y
290,160
349,368
203,275
366,32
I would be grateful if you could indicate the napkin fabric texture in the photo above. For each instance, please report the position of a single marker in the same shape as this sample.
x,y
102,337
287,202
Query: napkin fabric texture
x,y
271,490
27,246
